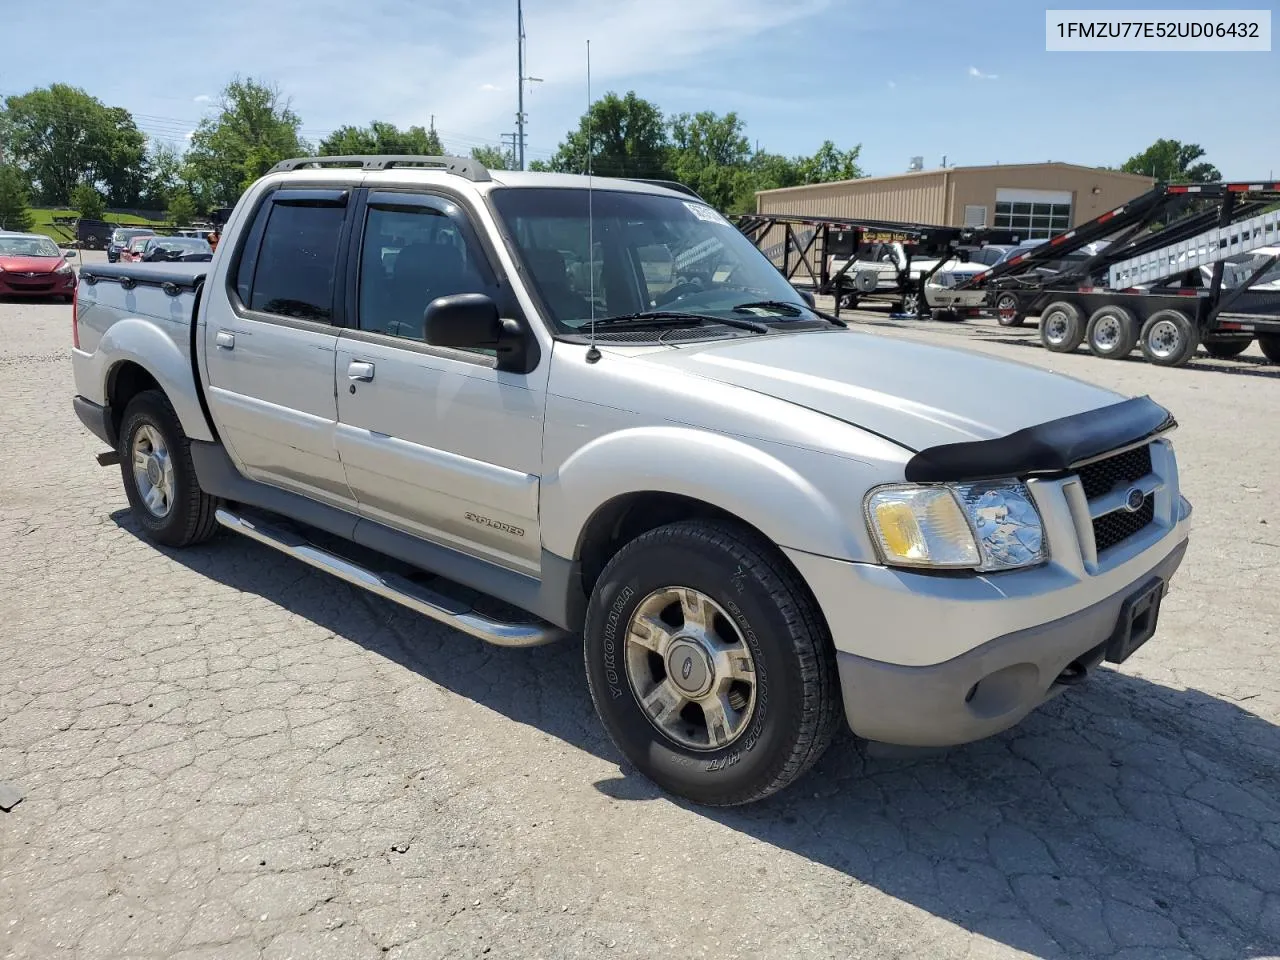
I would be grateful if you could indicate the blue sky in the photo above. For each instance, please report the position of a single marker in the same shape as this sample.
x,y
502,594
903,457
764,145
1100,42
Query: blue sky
x,y
971,81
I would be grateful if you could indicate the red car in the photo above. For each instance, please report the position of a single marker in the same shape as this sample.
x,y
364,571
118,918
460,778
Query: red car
x,y
31,265
132,252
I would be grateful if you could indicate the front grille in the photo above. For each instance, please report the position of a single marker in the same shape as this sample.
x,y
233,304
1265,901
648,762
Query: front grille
x,y
1114,528
1103,476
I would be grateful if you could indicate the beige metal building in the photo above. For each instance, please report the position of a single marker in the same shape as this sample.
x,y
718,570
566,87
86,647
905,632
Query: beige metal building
x,y
1036,199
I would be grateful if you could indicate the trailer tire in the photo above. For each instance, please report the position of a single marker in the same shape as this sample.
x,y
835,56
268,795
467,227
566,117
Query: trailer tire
x,y
1269,343
1007,312
1169,338
1112,332
1062,327
1226,349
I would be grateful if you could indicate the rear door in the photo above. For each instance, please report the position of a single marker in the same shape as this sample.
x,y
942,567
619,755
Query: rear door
x,y
270,343
436,442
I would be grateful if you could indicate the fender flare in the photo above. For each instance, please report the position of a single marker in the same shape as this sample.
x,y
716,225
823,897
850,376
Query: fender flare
x,y
141,342
726,472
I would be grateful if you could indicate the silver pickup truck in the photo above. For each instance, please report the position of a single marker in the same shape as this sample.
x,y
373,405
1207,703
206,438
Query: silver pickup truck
x,y
597,402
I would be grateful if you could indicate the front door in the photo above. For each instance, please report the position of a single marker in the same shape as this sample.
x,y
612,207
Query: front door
x,y
269,348
436,442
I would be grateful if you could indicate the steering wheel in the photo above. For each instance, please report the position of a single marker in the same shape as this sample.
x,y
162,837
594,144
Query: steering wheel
x,y
682,289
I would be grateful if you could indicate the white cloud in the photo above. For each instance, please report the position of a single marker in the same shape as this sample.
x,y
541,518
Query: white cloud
x,y
893,85
979,75
489,87
189,135
203,98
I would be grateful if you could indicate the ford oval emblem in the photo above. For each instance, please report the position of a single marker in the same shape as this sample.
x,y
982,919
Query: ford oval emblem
x,y
1134,500
687,668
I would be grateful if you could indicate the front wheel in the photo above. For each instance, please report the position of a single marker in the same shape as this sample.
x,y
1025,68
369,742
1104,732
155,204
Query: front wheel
x,y
159,477
1007,312
710,665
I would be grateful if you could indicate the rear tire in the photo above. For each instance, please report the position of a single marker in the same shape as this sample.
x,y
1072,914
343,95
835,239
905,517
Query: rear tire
x,y
1061,327
1169,338
1008,313
1112,332
1226,349
1269,343
770,701
159,477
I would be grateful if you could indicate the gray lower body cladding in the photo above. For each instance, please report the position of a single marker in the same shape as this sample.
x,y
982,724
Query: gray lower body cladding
x,y
988,689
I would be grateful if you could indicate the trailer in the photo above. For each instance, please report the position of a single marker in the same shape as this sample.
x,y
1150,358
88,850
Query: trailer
x,y
840,257
1189,282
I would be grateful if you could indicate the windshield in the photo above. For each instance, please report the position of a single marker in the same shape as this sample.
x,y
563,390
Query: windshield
x,y
186,244
28,247
650,253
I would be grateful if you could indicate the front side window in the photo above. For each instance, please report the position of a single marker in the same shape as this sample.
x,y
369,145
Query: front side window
x,y
636,252
410,256
297,262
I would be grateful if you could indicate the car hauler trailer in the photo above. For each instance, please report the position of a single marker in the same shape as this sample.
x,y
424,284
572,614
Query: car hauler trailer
x,y
834,256
1163,289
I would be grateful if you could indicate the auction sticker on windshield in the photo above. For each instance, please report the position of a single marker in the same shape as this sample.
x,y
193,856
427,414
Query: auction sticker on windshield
x,y
703,212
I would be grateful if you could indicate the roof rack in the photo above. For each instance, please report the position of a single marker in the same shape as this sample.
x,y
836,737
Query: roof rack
x,y
670,185
458,166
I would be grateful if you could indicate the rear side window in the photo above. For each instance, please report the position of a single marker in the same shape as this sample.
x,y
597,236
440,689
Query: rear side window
x,y
291,272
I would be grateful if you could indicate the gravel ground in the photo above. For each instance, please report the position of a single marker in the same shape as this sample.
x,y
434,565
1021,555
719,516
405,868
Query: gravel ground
x,y
227,755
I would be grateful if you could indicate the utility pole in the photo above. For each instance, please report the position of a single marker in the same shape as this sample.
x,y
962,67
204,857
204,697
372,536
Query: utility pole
x,y
520,82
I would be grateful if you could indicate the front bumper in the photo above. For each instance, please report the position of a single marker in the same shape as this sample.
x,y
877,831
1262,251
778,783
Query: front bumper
x,y
990,688
44,285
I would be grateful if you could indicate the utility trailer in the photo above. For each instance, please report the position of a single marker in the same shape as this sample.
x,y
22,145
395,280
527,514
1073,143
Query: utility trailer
x,y
1161,289
807,250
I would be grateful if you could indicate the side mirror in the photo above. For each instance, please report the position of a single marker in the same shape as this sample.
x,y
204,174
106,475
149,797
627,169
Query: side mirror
x,y
808,298
69,255
471,321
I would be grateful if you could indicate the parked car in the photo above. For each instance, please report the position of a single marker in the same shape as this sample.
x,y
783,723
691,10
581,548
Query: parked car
x,y
758,518
133,248
32,265
121,237
175,249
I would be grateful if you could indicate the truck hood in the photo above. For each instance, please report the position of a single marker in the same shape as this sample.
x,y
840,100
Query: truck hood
x,y
914,394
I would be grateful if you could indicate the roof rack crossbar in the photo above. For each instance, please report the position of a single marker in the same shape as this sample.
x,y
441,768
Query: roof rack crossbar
x,y
458,166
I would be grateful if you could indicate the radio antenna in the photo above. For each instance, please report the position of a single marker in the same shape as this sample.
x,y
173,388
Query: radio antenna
x,y
593,352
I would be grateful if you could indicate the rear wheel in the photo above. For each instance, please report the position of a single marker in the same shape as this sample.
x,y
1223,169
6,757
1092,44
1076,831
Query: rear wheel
x,y
1061,327
1112,332
1226,349
159,477
1169,338
710,664
1270,346
912,306
1007,312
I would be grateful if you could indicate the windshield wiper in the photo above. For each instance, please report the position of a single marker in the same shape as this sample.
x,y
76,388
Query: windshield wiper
x,y
673,318
793,307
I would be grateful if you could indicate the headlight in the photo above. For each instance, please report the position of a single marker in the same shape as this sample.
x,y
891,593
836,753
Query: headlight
x,y
64,267
986,526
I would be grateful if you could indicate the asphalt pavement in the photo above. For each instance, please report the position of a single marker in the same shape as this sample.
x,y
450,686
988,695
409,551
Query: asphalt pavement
x,y
225,754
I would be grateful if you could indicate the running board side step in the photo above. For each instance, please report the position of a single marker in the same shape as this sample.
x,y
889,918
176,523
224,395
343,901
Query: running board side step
x,y
442,609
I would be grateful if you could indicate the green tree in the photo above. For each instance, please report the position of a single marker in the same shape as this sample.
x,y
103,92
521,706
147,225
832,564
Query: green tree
x,y
164,175
15,214
182,208
710,154
88,202
1172,161
627,137
829,164
255,128
493,159
60,135
381,139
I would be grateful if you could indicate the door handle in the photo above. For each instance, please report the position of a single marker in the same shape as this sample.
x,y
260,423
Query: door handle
x,y
360,370
227,341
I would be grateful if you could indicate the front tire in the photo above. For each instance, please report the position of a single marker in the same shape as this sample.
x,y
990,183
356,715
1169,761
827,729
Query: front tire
x,y
710,665
1008,313
159,477
1061,327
